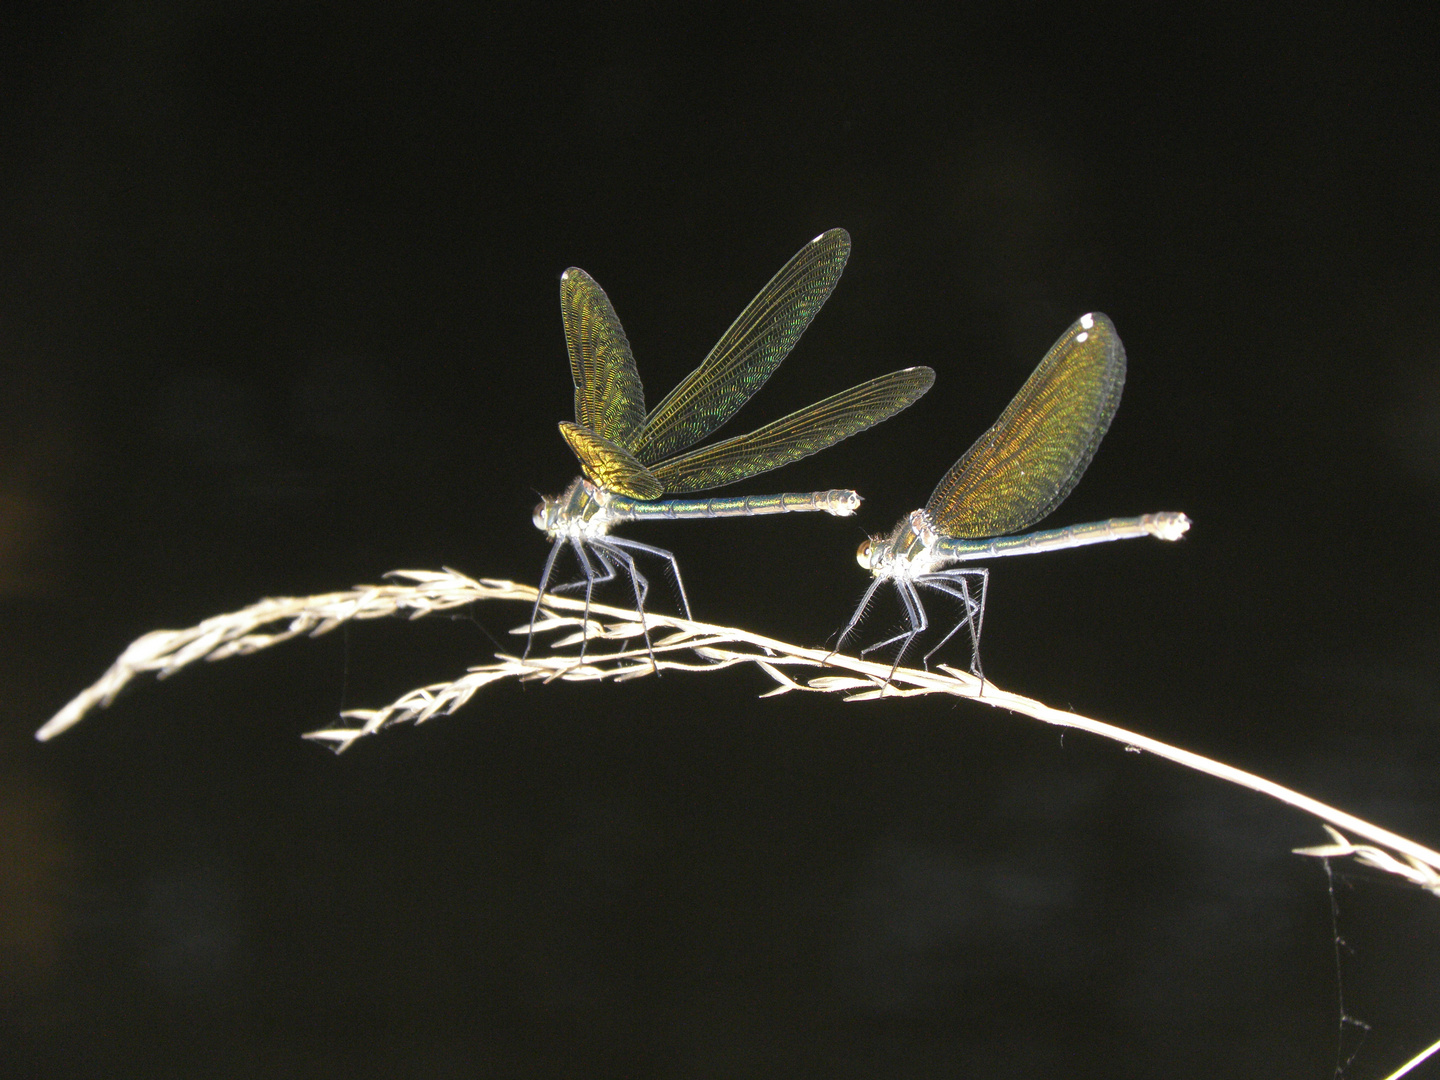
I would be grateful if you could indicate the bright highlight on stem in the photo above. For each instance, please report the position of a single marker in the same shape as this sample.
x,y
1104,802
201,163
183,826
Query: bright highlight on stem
x,y
689,646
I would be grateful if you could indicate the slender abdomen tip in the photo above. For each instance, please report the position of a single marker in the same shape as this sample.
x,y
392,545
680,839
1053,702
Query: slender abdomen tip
x,y
1170,525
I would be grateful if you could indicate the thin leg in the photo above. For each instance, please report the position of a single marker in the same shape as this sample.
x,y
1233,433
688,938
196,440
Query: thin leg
x,y
859,614
603,555
659,553
914,618
611,554
980,625
638,583
974,617
589,572
539,594
918,621
967,605
588,581
607,551
599,579
611,542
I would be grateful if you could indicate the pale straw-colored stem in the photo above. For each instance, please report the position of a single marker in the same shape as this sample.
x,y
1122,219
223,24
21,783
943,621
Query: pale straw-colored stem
x,y
689,646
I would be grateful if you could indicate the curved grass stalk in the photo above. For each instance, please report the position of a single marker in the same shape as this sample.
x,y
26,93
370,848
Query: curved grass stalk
x,y
689,646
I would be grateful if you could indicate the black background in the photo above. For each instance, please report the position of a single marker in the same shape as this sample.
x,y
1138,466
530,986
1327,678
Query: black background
x,y
278,313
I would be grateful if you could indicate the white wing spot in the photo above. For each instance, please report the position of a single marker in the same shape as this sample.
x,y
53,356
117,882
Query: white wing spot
x,y
1082,336
1087,321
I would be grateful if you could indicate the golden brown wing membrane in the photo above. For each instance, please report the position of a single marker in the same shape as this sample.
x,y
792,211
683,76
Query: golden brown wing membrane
x,y
609,465
802,433
1035,454
609,399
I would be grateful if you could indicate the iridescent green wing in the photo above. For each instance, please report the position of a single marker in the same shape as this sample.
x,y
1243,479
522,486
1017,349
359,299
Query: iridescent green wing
x,y
1024,466
798,435
748,353
610,465
609,399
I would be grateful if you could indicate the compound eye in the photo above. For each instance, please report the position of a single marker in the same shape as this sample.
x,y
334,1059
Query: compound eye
x,y
862,554
539,516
